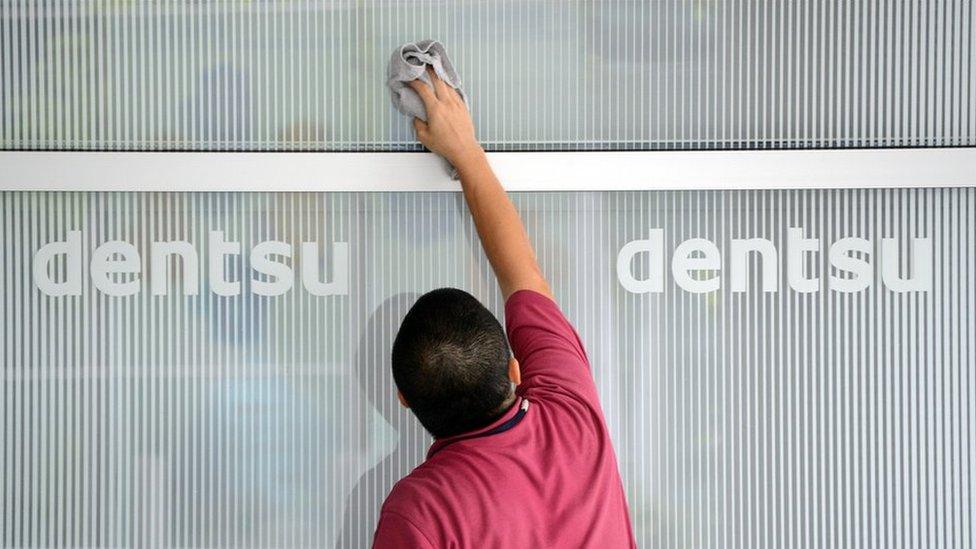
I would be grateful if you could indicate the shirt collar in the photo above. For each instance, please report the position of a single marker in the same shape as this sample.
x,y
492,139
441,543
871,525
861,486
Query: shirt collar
x,y
509,414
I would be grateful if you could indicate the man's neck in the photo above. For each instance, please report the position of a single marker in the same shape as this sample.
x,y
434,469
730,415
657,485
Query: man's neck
x,y
505,406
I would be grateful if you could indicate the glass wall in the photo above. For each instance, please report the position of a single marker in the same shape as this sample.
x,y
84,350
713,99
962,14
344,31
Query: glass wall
x,y
810,383
554,74
777,368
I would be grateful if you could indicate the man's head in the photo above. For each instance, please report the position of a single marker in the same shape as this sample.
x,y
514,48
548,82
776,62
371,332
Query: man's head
x,y
451,363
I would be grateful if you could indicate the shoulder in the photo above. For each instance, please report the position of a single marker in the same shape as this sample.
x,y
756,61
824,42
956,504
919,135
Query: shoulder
x,y
550,352
396,531
416,496
411,510
439,490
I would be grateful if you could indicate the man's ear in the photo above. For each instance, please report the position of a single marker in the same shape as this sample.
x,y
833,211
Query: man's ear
x,y
514,373
403,401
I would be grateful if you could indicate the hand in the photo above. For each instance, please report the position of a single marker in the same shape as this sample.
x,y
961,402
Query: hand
x,y
449,130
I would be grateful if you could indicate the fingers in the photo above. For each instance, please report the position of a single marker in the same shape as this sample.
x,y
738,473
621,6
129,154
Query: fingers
x,y
442,90
425,93
421,128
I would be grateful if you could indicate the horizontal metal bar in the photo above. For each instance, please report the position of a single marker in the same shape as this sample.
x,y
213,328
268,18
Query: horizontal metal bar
x,y
518,171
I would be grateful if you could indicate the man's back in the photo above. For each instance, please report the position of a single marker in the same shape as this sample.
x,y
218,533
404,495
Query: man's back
x,y
542,475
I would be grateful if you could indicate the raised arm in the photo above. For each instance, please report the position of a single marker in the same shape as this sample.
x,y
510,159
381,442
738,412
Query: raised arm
x,y
449,132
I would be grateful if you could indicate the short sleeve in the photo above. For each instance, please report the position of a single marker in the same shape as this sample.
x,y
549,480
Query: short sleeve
x,y
396,532
550,353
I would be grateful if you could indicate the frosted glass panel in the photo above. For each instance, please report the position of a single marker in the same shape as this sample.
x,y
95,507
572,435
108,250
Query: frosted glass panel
x,y
826,403
297,75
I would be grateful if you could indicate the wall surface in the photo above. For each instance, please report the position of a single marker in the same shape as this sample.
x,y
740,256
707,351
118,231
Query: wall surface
x,y
761,412
764,414
304,75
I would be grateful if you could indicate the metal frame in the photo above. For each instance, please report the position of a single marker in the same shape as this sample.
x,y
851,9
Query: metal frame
x,y
518,171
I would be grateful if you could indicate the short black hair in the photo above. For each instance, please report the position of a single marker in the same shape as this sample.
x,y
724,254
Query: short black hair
x,y
450,362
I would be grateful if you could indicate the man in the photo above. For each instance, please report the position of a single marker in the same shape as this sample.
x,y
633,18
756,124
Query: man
x,y
521,456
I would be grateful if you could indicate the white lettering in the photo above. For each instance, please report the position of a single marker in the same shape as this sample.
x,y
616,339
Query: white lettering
x,y
921,262
682,263
104,265
841,258
740,259
796,247
71,249
284,277
340,269
218,249
654,246
159,269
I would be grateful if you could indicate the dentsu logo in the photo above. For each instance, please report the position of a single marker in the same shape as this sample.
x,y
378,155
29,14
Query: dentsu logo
x,y
698,254
117,257
695,255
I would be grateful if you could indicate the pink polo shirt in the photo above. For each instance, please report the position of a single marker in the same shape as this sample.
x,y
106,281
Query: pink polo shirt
x,y
551,480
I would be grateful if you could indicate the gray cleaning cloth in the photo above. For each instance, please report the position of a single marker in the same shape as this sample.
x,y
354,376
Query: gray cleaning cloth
x,y
409,62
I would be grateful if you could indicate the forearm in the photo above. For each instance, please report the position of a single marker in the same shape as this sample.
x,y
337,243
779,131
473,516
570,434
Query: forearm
x,y
449,131
502,233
